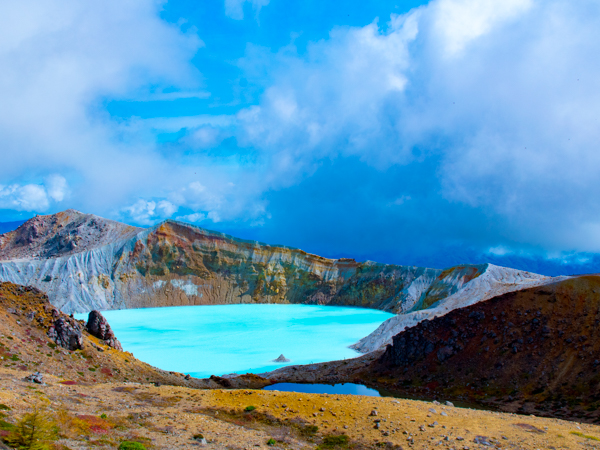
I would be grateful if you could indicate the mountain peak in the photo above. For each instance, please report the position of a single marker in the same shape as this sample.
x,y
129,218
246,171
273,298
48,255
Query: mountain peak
x,y
64,233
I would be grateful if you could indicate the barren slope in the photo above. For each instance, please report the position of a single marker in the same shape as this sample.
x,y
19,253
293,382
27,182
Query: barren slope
x,y
62,234
25,319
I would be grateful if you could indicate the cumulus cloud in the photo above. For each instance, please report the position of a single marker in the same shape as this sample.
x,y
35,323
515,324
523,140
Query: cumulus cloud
x,y
33,197
59,60
57,187
500,97
147,212
479,117
193,218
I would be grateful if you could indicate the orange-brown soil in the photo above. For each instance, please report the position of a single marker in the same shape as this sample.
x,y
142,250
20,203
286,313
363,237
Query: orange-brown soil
x,y
167,417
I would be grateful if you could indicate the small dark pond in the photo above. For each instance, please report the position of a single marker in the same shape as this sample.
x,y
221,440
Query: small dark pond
x,y
344,388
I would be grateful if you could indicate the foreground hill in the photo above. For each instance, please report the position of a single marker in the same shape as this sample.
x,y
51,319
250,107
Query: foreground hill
x,y
26,321
85,262
536,351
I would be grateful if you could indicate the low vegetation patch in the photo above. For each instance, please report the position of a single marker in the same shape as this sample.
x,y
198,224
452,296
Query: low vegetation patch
x,y
586,436
333,441
131,445
34,431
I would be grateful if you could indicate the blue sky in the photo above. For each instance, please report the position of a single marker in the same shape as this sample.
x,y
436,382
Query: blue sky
x,y
409,132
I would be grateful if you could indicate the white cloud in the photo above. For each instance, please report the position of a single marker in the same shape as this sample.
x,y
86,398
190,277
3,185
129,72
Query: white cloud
x,y
457,22
33,197
59,60
235,8
501,96
193,218
147,212
57,187
166,209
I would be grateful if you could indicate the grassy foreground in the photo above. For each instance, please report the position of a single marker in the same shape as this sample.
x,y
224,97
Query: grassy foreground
x,y
103,415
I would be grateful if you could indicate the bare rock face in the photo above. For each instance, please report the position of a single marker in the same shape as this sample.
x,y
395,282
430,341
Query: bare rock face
x,y
98,326
66,333
61,234
281,359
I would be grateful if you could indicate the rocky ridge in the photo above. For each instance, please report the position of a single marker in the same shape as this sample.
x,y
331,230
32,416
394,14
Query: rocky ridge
x,y
115,266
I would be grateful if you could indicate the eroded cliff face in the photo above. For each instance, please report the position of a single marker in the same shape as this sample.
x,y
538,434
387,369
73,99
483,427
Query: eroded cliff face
x,y
115,266
179,264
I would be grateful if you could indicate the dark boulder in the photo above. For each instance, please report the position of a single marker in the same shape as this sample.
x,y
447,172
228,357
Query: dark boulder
x,y
98,326
66,334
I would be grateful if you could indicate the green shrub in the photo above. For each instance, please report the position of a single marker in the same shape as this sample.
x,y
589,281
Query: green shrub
x,y
3,407
130,445
103,416
250,408
310,429
198,436
335,440
271,442
6,426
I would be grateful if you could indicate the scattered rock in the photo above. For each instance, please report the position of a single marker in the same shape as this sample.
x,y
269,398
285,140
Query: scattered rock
x,y
373,413
483,440
449,404
66,334
35,378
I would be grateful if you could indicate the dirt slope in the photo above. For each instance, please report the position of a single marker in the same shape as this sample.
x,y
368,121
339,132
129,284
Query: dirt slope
x,y
535,349
25,318
532,351
167,417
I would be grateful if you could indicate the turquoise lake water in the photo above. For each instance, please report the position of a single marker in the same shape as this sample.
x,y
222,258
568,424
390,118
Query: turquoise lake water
x,y
217,340
343,388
